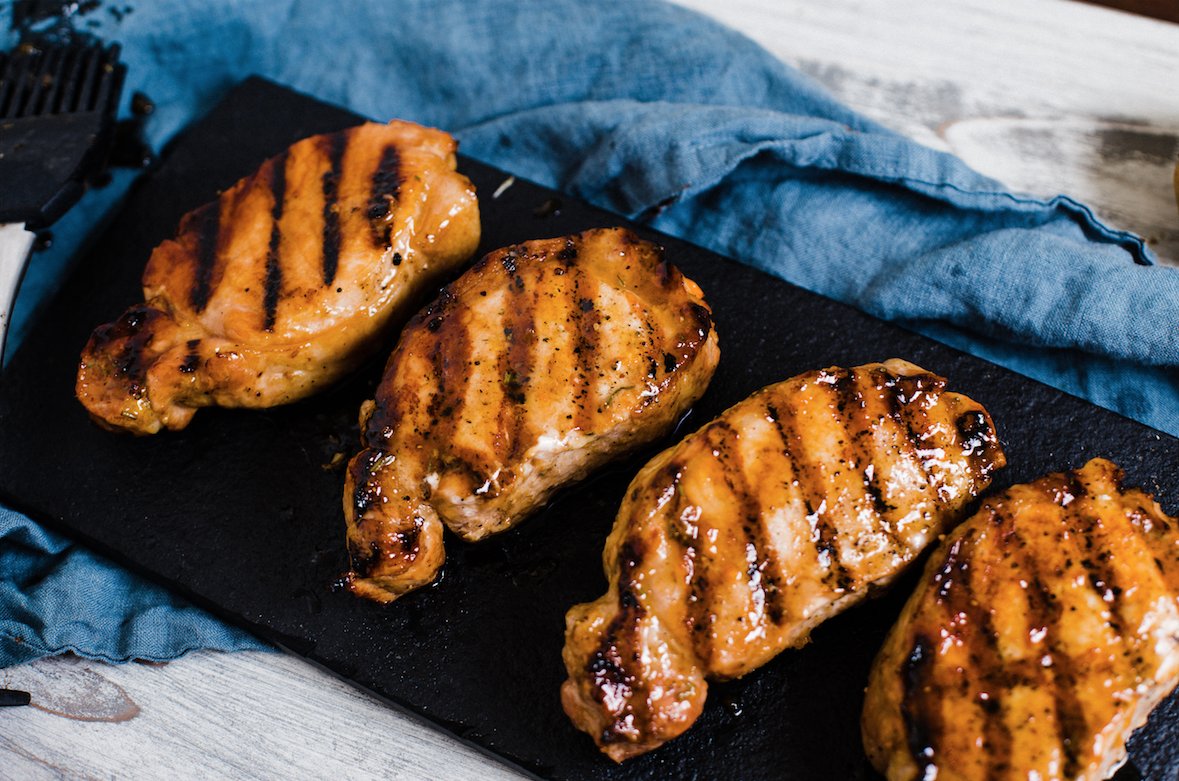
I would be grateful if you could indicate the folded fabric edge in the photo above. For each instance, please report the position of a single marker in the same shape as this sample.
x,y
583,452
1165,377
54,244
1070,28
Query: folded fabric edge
x,y
15,650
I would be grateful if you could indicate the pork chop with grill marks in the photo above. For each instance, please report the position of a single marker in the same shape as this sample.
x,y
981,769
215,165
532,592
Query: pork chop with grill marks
x,y
287,281
1043,632
736,543
538,365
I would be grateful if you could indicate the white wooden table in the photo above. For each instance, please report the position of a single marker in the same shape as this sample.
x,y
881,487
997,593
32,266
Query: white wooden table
x,y
1046,95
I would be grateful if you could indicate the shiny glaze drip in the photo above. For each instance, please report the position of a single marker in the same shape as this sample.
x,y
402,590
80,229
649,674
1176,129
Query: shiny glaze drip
x,y
610,666
922,722
756,520
979,440
474,406
1081,649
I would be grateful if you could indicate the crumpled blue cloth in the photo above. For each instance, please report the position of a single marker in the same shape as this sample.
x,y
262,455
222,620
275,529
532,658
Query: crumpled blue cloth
x,y
57,597
657,113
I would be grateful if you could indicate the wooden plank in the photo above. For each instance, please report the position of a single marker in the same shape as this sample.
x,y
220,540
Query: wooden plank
x,y
211,715
1048,96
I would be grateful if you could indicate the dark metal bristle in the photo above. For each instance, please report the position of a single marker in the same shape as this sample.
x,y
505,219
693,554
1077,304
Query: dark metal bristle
x,y
43,82
108,78
16,76
62,96
50,102
84,95
58,80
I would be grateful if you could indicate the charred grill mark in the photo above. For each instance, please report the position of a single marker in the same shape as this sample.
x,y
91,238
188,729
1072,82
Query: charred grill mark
x,y
703,320
369,495
451,361
921,717
569,253
586,337
273,285
437,404
607,667
964,590
979,442
334,145
761,573
402,546
508,261
684,531
192,360
665,273
834,573
894,401
386,189
1095,560
127,342
516,360
521,354
1044,610
208,230
388,411
853,413
451,358
366,492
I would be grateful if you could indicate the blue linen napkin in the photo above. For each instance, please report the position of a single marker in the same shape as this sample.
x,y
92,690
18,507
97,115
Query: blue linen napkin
x,y
654,112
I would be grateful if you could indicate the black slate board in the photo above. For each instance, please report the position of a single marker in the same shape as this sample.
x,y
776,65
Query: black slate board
x,y
238,512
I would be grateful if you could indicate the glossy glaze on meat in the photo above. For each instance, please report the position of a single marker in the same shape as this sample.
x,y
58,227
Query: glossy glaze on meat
x,y
542,362
734,544
287,281
1043,632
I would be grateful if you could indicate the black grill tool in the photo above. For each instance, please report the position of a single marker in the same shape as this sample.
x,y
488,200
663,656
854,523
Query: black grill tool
x,y
57,110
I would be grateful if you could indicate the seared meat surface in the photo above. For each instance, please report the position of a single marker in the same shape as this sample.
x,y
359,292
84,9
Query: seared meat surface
x,y
1043,632
542,362
286,281
734,544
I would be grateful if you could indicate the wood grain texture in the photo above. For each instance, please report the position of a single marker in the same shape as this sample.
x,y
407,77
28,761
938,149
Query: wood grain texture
x,y
1048,97
211,715
1045,95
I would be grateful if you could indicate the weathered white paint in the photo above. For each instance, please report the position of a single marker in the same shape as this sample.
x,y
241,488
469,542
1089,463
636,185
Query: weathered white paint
x,y
1049,97
1046,95
211,715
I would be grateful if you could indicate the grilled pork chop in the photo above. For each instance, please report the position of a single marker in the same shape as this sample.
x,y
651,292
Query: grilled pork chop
x,y
286,281
1043,632
734,544
542,362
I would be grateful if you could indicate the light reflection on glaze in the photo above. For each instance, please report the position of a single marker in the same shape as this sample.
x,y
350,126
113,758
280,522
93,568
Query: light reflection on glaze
x,y
734,544
1057,612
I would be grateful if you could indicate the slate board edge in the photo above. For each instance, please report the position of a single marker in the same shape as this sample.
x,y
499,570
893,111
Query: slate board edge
x,y
292,643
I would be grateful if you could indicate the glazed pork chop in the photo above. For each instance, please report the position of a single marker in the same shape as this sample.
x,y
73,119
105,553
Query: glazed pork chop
x,y
1043,632
289,279
736,543
542,362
